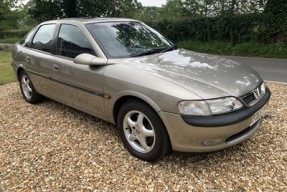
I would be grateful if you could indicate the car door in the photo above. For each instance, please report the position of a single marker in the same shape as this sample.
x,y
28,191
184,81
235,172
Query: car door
x,y
79,86
39,58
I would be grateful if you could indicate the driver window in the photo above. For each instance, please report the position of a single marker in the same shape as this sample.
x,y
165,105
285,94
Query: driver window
x,y
71,42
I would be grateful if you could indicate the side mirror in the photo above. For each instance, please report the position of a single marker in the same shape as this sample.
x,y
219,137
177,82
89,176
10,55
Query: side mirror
x,y
88,59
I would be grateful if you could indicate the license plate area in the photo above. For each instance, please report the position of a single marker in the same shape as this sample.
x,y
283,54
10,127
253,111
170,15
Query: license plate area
x,y
256,116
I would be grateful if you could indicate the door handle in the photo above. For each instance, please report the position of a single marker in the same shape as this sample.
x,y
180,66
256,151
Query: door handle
x,y
56,67
28,58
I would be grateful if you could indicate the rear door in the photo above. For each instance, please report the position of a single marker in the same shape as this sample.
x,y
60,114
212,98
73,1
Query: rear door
x,y
39,57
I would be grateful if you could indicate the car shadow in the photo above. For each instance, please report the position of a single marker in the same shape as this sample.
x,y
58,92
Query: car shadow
x,y
193,160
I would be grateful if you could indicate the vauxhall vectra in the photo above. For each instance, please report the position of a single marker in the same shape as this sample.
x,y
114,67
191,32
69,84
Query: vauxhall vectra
x,y
161,98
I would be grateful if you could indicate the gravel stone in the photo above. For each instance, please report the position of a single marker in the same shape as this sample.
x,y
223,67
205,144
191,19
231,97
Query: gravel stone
x,y
52,147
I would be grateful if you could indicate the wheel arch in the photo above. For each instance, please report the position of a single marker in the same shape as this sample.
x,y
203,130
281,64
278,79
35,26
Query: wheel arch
x,y
19,70
123,99
149,102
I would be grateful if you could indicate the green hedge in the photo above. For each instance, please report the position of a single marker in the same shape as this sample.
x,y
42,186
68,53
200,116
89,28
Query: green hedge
x,y
14,33
229,28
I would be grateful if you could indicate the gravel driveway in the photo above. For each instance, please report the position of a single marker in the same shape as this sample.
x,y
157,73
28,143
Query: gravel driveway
x,y
51,147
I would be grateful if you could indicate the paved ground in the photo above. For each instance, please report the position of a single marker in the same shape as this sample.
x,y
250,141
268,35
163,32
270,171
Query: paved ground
x,y
269,69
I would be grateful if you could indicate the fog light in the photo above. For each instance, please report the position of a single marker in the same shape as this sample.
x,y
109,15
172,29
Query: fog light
x,y
211,142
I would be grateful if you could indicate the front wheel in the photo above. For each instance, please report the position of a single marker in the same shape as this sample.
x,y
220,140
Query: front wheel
x,y
142,131
28,91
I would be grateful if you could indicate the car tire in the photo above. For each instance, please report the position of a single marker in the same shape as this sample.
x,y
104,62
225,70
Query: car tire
x,y
142,131
27,89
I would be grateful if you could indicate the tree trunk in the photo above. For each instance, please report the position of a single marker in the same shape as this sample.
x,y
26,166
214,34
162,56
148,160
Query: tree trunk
x,y
70,8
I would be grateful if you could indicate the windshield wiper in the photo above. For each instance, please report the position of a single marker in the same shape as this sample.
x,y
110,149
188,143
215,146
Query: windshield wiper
x,y
170,48
149,52
155,50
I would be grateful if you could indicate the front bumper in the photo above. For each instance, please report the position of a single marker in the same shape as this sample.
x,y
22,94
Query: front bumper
x,y
205,134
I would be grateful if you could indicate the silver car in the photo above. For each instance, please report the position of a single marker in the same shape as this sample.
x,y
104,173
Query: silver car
x,y
161,98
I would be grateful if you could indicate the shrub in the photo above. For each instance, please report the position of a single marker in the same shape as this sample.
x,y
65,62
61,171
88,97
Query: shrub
x,y
255,27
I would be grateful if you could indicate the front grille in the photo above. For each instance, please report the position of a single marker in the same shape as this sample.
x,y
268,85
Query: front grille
x,y
248,98
253,97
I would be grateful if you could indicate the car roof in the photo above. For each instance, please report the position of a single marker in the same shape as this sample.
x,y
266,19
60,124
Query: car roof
x,y
87,20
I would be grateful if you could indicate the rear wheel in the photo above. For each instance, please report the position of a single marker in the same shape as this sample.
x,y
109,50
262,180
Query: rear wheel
x,y
28,91
142,131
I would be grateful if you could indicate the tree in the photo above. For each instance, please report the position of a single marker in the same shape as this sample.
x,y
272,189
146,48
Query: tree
x,y
222,7
8,18
275,23
210,8
148,14
46,10
276,7
124,8
173,9
25,21
52,9
70,8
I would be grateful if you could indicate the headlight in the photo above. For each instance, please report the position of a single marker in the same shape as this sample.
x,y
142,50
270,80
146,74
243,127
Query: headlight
x,y
225,105
262,89
194,108
209,107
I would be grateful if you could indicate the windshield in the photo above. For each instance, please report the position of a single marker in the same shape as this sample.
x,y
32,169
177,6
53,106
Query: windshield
x,y
128,39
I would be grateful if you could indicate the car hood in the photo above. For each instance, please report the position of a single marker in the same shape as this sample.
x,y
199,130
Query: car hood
x,y
207,76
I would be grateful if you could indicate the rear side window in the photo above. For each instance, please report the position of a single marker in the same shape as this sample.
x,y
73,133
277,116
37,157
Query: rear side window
x,y
44,38
71,42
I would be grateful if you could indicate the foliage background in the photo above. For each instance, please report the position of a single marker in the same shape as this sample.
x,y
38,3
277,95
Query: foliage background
x,y
231,21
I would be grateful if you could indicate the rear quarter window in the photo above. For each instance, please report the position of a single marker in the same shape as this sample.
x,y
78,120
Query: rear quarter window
x,y
27,38
43,39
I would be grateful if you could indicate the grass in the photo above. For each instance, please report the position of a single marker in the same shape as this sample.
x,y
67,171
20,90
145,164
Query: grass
x,y
10,40
6,72
243,49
